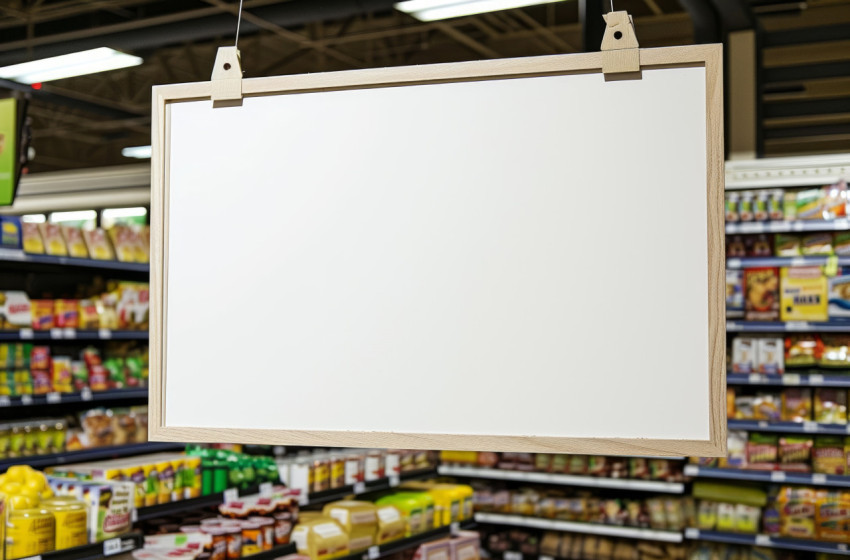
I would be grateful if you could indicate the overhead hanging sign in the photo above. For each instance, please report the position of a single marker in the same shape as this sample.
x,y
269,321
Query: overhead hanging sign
x,y
8,150
515,255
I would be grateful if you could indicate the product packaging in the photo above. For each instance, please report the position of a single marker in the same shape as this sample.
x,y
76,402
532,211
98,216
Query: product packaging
x,y
762,294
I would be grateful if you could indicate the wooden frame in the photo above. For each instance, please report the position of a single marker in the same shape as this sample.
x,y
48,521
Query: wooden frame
x,y
709,56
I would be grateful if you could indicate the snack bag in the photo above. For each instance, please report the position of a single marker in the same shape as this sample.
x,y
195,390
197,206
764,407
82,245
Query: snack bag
x,y
117,377
735,246
744,354
797,405
762,451
40,383
771,356
797,512
836,350
42,314
736,447
766,406
828,455
762,294
832,516
830,405
74,240
79,375
88,317
815,244
66,313
62,380
745,206
839,296
810,204
841,243
33,243
789,206
40,357
760,245
143,244
760,206
804,294
787,245
835,200
98,245
124,241
803,350
10,232
734,293
775,209
795,453
15,310
54,243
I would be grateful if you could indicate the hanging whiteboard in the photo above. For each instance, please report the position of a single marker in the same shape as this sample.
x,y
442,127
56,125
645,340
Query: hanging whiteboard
x,y
503,255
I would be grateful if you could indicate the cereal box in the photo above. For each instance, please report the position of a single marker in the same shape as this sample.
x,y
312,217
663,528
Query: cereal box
x,y
761,287
804,294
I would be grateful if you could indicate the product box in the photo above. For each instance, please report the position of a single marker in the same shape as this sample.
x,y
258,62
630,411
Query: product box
x,y
15,310
744,354
734,293
803,294
839,296
11,236
54,243
761,287
98,245
466,546
33,243
74,241
110,504
771,356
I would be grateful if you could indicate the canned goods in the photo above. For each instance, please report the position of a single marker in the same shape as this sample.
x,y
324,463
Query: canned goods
x,y
30,532
71,517
267,530
233,535
252,538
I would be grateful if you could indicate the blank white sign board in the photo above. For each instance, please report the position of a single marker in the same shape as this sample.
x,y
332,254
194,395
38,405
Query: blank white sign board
x,y
500,263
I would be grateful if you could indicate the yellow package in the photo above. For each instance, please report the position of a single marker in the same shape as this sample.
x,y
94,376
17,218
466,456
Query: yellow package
x,y
358,519
803,294
165,470
832,516
98,245
830,405
33,243
124,240
54,243
796,512
191,477
321,539
74,240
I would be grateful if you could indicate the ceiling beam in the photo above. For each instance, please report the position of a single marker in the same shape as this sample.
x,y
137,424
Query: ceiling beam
x,y
466,40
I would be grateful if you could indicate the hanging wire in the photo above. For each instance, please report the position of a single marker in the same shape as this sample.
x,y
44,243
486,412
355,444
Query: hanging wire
x,y
239,23
240,13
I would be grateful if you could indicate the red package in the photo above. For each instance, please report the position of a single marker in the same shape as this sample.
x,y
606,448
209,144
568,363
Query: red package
x,y
98,378
40,357
91,357
761,291
41,382
66,314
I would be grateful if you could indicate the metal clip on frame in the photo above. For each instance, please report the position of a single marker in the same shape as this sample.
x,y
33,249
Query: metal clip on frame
x,y
620,52
227,78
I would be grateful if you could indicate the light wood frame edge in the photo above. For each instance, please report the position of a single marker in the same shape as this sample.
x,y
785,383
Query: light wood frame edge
x,y
708,55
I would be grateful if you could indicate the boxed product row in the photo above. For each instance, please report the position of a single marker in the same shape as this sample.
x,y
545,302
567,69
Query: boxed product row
x,y
715,551
583,465
570,546
124,306
120,242
101,427
44,514
797,404
784,511
669,513
326,470
819,244
798,293
36,372
793,453
824,203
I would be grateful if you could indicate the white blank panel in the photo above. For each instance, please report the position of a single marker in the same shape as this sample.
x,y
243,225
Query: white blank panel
x,y
507,257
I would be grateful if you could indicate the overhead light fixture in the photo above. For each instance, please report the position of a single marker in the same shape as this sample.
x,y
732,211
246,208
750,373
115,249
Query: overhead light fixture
x,y
112,213
138,152
67,65
431,10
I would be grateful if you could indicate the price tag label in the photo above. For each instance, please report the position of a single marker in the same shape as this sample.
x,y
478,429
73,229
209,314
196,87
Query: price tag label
x,y
816,379
374,552
266,489
777,476
70,333
231,495
755,378
691,470
842,547
848,428
359,487
691,533
797,226
54,398
791,379
733,263
798,261
455,528
134,515
56,333
26,400
85,394
512,555
104,334
732,326
5,401
38,557
542,557
26,334
809,426
752,227
394,480
818,478
797,326
763,540
112,546
763,424
777,226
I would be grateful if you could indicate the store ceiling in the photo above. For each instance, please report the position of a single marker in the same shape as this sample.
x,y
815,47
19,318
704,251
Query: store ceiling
x,y
86,121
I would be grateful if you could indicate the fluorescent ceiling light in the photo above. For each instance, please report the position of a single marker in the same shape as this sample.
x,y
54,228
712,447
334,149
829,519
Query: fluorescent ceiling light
x,y
33,218
67,65
138,152
73,216
112,213
430,10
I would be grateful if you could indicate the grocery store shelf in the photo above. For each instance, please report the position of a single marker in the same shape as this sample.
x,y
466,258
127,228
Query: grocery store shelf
x,y
110,547
24,335
816,479
275,553
755,262
96,454
365,487
790,326
171,508
21,257
574,527
113,395
789,427
767,541
408,543
840,224
789,379
564,479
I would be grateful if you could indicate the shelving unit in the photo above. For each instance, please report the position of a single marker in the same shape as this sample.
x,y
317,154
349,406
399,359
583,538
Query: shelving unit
x,y
564,479
379,551
790,326
756,262
841,224
159,510
95,454
91,264
789,427
789,379
44,402
574,527
275,553
25,335
815,479
768,541
380,485
109,547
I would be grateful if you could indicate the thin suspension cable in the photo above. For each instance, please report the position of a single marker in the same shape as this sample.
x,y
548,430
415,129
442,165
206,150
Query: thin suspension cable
x,y
239,23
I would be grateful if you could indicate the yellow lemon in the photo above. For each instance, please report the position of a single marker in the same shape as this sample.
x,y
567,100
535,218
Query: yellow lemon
x,y
36,483
12,488
46,493
21,502
17,473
